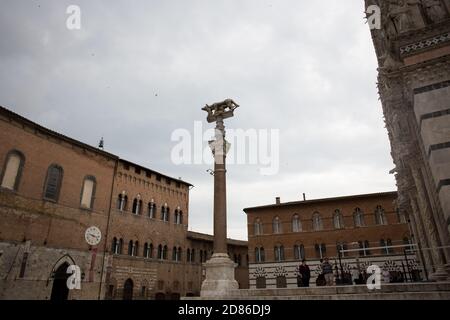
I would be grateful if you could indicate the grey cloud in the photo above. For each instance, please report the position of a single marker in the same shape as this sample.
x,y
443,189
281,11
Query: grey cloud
x,y
138,70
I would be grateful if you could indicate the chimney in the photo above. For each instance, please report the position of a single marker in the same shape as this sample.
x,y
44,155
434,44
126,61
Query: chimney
x,y
304,197
277,200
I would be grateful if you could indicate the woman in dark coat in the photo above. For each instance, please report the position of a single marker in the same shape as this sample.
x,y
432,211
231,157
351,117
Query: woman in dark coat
x,y
305,273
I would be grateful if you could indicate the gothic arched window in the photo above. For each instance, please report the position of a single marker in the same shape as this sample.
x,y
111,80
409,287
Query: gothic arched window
x,y
296,223
276,225
317,222
338,220
358,217
53,182
88,192
12,170
258,230
380,217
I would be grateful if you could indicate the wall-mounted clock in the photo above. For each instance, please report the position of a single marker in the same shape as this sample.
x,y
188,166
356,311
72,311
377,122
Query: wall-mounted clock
x,y
93,236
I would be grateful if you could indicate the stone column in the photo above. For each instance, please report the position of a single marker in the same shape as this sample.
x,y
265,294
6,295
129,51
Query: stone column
x,y
420,235
219,281
439,273
220,192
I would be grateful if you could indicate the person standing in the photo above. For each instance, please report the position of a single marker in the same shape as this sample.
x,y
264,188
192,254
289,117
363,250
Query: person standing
x,y
355,275
327,270
305,273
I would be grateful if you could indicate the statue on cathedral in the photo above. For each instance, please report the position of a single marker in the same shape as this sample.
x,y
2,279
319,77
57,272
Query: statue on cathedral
x,y
402,14
434,10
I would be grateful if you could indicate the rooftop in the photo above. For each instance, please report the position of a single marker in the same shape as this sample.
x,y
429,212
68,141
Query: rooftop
x,y
308,202
207,237
14,116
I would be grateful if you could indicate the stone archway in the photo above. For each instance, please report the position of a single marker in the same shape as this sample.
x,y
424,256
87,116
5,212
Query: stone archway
x,y
128,290
60,291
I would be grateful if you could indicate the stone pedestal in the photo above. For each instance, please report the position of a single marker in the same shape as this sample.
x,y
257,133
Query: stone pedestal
x,y
219,280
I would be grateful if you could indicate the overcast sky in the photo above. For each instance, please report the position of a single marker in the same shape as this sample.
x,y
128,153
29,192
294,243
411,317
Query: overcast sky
x,y
138,70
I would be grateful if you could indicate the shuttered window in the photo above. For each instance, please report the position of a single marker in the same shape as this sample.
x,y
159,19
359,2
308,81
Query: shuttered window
x,y
53,183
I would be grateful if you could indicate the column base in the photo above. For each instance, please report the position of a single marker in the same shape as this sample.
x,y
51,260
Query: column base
x,y
219,280
440,274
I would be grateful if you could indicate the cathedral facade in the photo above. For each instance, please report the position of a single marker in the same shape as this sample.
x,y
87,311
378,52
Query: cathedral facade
x,y
412,44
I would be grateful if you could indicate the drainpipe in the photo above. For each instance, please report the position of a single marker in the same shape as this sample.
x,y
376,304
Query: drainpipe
x,y
107,228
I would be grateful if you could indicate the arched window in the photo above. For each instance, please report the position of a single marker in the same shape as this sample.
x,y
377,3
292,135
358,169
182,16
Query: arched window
x,y
239,260
338,221
130,248
276,225
358,217
53,182
258,230
188,255
160,252
165,250
137,205
259,255
279,253
88,192
321,250
364,248
340,248
299,252
317,222
120,249
122,200
136,249
165,213
115,246
147,251
178,216
150,249
296,223
380,217
174,254
151,209
193,255
12,170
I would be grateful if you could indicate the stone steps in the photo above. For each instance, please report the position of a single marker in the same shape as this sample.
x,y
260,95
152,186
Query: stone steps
x,y
402,291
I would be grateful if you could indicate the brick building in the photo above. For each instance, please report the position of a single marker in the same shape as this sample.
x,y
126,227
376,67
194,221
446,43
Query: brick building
x,y
366,229
53,188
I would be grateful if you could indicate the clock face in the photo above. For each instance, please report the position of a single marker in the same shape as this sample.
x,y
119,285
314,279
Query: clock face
x,y
93,236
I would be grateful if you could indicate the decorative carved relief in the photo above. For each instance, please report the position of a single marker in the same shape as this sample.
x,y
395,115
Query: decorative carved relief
x,y
435,10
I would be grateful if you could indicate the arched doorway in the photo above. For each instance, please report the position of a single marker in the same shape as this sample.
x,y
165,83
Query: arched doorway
x,y
128,290
60,291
